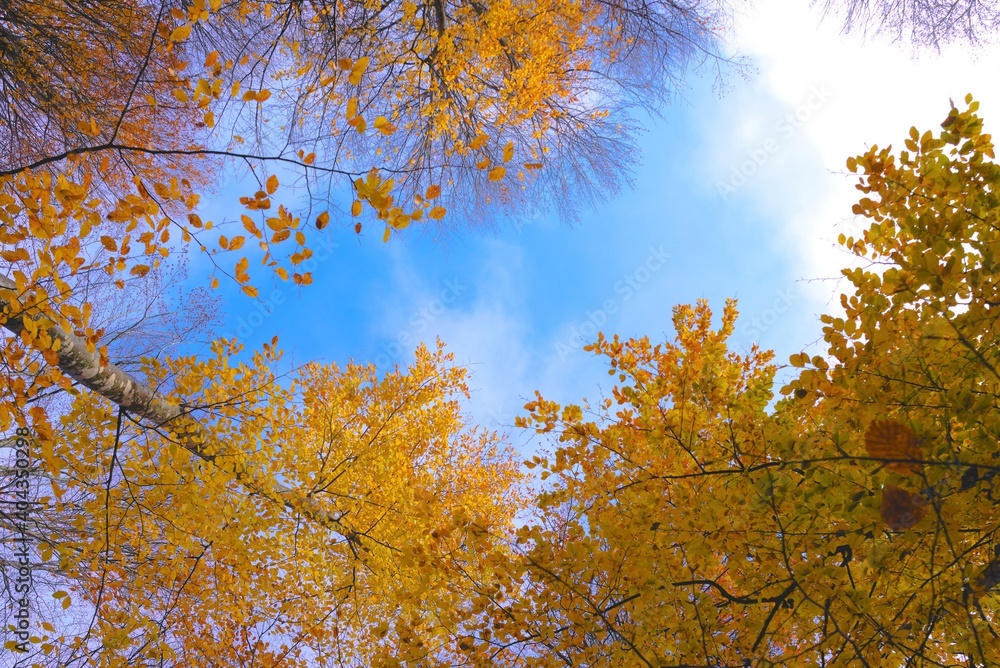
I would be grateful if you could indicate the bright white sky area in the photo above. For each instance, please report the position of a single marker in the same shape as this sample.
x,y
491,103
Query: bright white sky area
x,y
517,304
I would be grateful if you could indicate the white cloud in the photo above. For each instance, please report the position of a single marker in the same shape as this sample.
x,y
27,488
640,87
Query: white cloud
x,y
877,91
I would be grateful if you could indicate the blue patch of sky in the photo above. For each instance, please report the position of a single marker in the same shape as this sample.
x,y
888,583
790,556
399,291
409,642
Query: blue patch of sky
x,y
518,303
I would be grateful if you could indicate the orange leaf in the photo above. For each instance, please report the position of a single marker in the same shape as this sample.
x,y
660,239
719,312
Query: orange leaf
x,y
250,291
249,226
890,440
272,184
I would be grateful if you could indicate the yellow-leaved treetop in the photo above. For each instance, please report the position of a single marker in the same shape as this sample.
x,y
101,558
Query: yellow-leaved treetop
x,y
684,522
271,523
198,510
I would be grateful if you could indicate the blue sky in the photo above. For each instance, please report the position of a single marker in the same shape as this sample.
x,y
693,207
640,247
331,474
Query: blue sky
x,y
740,194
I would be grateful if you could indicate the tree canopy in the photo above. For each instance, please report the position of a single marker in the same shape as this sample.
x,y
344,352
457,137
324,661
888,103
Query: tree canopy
x,y
205,508
855,523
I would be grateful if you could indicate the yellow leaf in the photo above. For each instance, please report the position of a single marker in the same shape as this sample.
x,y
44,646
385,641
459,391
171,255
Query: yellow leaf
x,y
180,33
345,63
383,125
263,95
215,283
223,242
109,243
210,119
322,219
357,71
249,226
21,254
250,291
497,173
508,151
385,235
432,192
437,213
282,273
272,184
139,270
356,208
241,269
236,243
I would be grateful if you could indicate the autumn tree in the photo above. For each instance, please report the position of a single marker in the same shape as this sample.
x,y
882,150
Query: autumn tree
x,y
683,522
339,502
339,506
413,109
